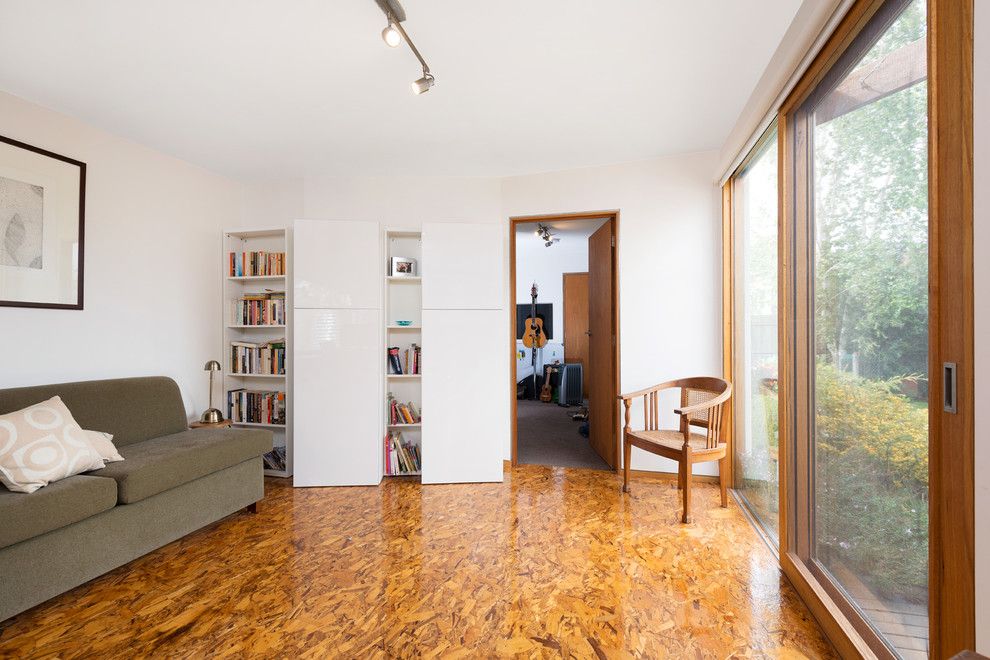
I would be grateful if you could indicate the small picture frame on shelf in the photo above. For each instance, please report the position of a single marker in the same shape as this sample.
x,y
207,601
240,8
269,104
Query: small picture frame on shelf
x,y
403,267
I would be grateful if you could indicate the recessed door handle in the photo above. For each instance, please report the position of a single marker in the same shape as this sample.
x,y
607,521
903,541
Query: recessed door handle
x,y
949,394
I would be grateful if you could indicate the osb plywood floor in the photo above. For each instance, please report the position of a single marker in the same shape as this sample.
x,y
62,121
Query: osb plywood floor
x,y
555,562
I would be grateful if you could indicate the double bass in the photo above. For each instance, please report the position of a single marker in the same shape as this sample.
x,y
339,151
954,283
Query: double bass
x,y
534,337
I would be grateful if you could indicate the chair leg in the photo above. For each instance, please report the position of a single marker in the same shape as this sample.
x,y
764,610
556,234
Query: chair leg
x,y
722,478
626,455
686,461
680,475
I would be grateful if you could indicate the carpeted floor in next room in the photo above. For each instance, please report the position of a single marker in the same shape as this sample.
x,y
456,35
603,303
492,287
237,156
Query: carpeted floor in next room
x,y
548,436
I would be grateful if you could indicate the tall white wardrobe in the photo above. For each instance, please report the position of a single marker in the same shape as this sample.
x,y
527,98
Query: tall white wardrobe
x,y
338,359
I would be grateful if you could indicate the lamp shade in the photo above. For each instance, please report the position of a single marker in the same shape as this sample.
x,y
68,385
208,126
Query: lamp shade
x,y
212,365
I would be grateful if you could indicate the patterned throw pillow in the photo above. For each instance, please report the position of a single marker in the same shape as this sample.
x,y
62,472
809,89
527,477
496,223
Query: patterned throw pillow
x,y
102,442
41,444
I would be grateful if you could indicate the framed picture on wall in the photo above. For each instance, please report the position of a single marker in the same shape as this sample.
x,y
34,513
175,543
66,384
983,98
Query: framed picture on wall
x,y
42,208
403,267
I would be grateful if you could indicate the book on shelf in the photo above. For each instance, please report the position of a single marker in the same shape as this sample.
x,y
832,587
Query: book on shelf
x,y
267,358
266,308
255,264
275,459
401,456
256,406
402,413
404,361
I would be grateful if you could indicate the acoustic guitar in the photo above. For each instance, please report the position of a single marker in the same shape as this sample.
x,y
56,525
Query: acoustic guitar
x,y
546,394
534,337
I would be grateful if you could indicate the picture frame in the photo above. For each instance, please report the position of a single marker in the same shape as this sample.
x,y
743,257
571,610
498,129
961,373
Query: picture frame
x,y
42,227
403,267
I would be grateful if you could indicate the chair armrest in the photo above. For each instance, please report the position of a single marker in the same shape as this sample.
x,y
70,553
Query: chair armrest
x,y
656,388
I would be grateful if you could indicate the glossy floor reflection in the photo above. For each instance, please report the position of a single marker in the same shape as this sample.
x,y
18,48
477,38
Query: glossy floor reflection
x,y
554,562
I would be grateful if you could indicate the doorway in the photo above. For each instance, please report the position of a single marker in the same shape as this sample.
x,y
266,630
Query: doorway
x,y
564,319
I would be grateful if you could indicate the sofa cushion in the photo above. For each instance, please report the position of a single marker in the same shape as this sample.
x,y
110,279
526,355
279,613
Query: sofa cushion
x,y
26,515
156,465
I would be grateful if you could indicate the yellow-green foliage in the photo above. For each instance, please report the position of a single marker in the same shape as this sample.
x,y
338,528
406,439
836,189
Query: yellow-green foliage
x,y
859,415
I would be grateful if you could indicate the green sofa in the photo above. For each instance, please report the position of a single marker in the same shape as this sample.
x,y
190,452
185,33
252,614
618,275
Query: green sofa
x,y
173,481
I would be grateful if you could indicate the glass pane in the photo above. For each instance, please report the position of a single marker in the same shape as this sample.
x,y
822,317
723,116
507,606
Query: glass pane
x,y
754,195
870,297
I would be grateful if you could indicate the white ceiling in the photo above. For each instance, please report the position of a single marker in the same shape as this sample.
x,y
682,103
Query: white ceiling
x,y
283,88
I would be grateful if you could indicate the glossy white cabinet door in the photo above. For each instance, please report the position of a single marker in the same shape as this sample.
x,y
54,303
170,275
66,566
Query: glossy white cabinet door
x,y
465,398
337,373
337,265
462,266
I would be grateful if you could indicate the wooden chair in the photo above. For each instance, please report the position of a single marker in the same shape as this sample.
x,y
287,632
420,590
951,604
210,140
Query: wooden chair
x,y
703,401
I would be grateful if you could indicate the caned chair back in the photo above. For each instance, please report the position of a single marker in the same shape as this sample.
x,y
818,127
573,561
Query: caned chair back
x,y
695,393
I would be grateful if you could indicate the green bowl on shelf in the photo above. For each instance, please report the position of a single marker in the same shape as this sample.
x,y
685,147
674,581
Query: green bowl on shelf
x,y
403,322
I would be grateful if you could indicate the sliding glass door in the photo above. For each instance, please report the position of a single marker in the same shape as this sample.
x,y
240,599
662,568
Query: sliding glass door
x,y
860,194
754,220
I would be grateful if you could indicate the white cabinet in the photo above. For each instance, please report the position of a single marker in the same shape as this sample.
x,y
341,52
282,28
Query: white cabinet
x,y
337,389
465,398
337,265
463,266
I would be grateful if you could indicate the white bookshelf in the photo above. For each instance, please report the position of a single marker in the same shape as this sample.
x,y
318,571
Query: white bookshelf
x,y
274,239
403,298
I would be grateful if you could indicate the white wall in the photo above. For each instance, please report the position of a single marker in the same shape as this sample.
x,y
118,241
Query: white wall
x,y
669,263
535,262
981,291
152,287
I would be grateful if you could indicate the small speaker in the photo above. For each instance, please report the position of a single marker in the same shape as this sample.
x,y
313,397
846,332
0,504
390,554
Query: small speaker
x,y
571,383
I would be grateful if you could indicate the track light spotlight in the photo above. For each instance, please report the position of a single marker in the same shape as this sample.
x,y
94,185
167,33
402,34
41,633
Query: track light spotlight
x,y
424,84
391,36
394,34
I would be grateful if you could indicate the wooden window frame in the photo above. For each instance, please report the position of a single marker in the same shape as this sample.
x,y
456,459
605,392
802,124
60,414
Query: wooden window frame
x,y
729,222
952,609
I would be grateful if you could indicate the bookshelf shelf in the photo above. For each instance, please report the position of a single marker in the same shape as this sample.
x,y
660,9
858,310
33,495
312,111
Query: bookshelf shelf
x,y
267,426
256,278
403,298
255,327
256,271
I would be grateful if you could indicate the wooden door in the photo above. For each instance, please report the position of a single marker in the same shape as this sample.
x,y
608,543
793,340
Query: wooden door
x,y
601,315
576,329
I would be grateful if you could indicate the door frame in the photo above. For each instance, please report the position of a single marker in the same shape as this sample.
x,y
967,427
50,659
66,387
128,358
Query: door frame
x,y
613,220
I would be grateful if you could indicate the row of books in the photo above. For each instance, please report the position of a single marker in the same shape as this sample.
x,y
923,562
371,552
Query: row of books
x,y
407,361
259,309
267,358
255,264
401,457
402,413
256,406
275,459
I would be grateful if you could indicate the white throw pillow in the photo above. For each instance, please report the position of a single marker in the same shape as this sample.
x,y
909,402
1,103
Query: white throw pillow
x,y
103,444
41,444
